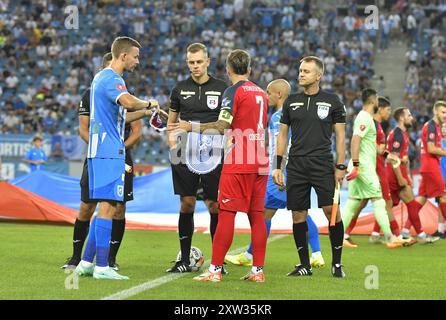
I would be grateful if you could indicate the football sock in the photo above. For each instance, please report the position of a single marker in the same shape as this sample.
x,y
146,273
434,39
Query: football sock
x,y
336,233
80,233
351,226
441,227
376,227
413,210
395,228
214,269
223,236
185,232
300,238
313,235
259,236
213,225
379,207
103,235
117,233
90,248
268,229
443,209
350,208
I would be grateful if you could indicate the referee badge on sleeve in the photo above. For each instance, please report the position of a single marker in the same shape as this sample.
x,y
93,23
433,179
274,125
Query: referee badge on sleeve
x,y
203,152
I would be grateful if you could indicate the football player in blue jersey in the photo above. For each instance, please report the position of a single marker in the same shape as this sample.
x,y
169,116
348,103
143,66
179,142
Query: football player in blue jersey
x,y
109,101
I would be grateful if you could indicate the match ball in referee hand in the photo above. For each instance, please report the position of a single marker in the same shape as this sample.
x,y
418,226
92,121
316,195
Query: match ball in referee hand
x,y
196,258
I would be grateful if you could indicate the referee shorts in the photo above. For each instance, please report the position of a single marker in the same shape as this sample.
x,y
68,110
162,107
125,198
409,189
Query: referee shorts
x,y
186,182
304,173
128,180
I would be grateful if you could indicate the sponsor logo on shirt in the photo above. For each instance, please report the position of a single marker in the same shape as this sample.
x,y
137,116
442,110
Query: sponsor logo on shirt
x,y
120,87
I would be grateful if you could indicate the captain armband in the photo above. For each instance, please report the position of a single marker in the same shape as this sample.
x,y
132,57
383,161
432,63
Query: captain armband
x,y
226,116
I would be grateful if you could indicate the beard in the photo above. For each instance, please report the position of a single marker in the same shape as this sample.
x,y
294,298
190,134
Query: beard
x,y
408,125
375,109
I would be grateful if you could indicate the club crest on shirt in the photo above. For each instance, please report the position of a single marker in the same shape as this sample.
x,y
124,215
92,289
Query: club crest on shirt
x,y
396,144
322,111
212,102
432,135
120,191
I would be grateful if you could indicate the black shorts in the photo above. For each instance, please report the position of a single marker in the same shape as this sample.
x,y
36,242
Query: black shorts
x,y
128,181
186,183
303,173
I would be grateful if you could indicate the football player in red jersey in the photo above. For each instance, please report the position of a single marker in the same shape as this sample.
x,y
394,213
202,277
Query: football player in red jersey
x,y
383,114
245,170
432,184
399,177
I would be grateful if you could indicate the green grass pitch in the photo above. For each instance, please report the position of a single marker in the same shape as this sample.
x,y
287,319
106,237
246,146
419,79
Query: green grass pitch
x,y
31,256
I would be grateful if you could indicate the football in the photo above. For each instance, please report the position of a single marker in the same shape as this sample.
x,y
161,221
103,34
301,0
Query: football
x,y
196,258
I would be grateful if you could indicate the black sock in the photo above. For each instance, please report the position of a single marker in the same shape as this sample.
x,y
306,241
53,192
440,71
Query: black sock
x,y
185,232
117,233
336,237
79,235
213,226
300,231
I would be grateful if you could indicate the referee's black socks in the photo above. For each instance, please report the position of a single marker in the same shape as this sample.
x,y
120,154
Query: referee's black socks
x,y
79,235
336,238
300,232
185,231
117,233
213,226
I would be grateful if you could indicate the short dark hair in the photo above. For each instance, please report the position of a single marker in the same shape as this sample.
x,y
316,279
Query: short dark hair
x,y
399,113
197,46
383,102
123,45
239,61
317,60
106,59
367,93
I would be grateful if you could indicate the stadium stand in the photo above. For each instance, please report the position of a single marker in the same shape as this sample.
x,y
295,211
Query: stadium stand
x,y
45,67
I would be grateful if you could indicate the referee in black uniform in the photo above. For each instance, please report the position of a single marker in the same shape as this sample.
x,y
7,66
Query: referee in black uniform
x,y
132,134
312,116
196,99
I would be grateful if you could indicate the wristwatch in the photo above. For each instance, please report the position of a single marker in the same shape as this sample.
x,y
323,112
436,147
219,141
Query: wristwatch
x,y
341,166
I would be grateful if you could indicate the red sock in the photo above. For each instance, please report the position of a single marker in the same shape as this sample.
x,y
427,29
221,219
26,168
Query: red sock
x,y
376,227
258,237
413,209
223,236
395,227
443,209
408,224
351,226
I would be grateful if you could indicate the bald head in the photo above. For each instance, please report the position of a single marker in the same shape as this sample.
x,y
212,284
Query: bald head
x,y
278,90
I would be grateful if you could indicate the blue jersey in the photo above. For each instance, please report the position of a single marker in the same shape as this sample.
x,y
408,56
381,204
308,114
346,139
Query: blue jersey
x,y
36,154
273,132
107,117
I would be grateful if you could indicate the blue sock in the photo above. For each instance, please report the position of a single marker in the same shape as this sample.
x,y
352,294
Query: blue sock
x,y
90,247
103,236
313,235
268,229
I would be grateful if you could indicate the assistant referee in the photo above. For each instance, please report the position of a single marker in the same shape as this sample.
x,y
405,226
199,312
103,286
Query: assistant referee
x,y
197,99
312,116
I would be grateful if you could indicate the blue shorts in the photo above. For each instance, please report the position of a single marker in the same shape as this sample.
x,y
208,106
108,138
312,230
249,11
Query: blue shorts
x,y
106,179
274,199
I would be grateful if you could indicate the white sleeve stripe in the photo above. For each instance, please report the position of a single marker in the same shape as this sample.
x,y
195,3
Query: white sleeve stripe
x,y
117,98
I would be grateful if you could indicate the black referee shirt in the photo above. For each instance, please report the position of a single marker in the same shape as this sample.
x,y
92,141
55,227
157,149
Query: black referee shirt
x,y
311,118
198,102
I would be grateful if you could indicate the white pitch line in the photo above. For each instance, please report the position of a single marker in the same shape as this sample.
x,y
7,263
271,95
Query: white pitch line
x,y
133,291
